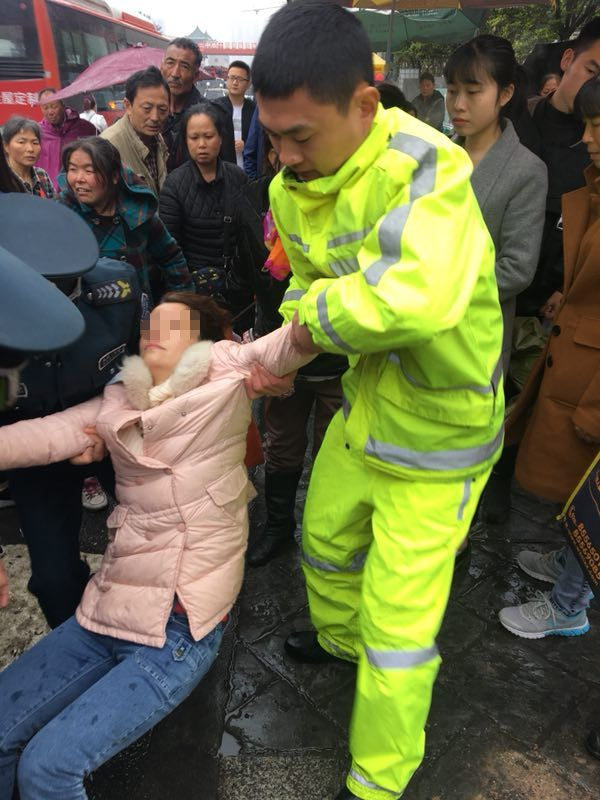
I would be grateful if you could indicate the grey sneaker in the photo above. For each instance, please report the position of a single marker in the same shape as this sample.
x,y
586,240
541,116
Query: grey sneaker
x,y
543,566
539,618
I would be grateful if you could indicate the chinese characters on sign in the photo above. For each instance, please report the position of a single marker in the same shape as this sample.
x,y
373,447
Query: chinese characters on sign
x,y
18,98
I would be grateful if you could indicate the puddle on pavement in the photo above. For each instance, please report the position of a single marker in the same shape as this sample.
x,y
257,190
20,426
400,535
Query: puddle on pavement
x,y
229,745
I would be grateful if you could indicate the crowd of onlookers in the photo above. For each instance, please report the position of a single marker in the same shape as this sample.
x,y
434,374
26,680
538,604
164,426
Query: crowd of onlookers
x,y
177,191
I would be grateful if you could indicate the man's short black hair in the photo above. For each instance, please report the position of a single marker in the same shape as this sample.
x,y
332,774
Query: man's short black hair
x,y
240,65
187,44
145,79
314,45
426,76
588,36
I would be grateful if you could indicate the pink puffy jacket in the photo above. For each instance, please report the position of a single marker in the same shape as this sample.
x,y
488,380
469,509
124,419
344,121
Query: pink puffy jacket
x,y
181,525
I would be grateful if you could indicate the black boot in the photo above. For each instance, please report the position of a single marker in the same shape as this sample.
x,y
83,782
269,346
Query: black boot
x,y
304,646
280,499
592,742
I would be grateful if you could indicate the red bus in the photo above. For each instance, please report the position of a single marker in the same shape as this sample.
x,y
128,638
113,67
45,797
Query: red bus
x,y
48,43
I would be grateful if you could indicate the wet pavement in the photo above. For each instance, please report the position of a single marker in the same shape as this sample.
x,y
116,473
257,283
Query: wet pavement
x,y
508,717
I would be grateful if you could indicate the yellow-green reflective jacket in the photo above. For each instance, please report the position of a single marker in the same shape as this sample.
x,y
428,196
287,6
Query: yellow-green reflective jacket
x,y
393,266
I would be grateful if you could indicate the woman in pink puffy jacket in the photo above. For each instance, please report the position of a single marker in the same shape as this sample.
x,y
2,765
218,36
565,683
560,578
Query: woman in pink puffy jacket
x,y
151,619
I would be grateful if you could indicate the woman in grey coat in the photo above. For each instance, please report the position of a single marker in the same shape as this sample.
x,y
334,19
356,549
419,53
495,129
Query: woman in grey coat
x,y
510,183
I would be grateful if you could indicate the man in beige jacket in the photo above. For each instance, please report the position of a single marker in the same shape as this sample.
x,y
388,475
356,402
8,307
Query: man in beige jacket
x,y
137,135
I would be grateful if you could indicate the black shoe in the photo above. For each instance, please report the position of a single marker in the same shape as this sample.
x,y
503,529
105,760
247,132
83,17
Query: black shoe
x,y
495,501
304,646
346,794
592,743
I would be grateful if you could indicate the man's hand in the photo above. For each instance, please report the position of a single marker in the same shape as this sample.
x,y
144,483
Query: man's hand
x,y
302,339
585,436
239,145
4,593
93,452
551,306
262,382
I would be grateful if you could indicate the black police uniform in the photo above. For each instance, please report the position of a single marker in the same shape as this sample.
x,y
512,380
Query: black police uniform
x,y
48,498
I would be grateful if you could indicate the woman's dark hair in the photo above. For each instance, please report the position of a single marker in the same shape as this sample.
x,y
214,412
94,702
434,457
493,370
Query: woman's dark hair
x,y
313,45
208,108
149,78
587,100
393,97
485,53
8,180
103,155
16,125
215,322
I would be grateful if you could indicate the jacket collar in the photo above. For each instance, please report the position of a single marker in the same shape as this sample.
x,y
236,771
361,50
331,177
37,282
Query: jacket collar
x,y
137,143
191,370
385,124
495,161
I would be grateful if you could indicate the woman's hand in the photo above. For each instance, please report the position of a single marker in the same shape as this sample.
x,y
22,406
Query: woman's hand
x,y
93,452
585,436
551,306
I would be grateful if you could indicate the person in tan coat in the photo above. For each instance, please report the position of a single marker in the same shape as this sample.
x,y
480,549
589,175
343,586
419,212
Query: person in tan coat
x,y
556,419
151,619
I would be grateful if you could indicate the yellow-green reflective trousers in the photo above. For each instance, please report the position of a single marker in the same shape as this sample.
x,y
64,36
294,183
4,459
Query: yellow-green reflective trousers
x,y
378,557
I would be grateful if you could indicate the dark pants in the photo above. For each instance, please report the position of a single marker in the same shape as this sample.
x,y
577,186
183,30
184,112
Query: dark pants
x,y
286,422
49,505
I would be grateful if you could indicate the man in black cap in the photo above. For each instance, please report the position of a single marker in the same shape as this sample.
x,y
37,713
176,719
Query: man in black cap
x,y
107,295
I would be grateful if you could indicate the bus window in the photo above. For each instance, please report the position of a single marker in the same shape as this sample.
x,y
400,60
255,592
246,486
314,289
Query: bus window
x,y
83,38
20,55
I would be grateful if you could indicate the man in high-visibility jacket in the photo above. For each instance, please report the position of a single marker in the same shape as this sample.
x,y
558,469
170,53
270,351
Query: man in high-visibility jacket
x,y
393,267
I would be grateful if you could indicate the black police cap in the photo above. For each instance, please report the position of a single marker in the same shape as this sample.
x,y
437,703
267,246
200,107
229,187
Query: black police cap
x,y
47,236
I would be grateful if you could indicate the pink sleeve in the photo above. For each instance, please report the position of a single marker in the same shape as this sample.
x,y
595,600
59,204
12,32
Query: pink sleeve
x,y
275,352
46,440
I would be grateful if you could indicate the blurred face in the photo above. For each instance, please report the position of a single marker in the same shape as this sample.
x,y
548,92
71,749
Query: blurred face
x,y
475,107
237,82
179,69
591,138
87,185
23,149
166,334
148,111
577,70
53,110
87,104
551,85
312,138
426,88
202,140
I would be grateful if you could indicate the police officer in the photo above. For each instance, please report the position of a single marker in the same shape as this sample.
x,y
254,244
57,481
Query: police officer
x,y
35,317
108,296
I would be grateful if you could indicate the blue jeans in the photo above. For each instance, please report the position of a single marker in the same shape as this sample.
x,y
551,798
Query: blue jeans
x,y
571,593
77,698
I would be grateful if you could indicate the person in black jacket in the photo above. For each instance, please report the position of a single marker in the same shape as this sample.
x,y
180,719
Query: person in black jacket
x,y
197,203
181,69
237,111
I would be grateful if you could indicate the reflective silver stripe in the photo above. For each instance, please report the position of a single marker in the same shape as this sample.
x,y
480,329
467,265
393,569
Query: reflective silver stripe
x,y
326,325
465,498
433,459
364,782
490,388
400,659
293,237
344,266
333,648
345,407
348,238
392,227
293,294
356,564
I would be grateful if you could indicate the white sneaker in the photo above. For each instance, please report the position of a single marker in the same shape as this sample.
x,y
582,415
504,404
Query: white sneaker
x,y
93,496
539,618
543,566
